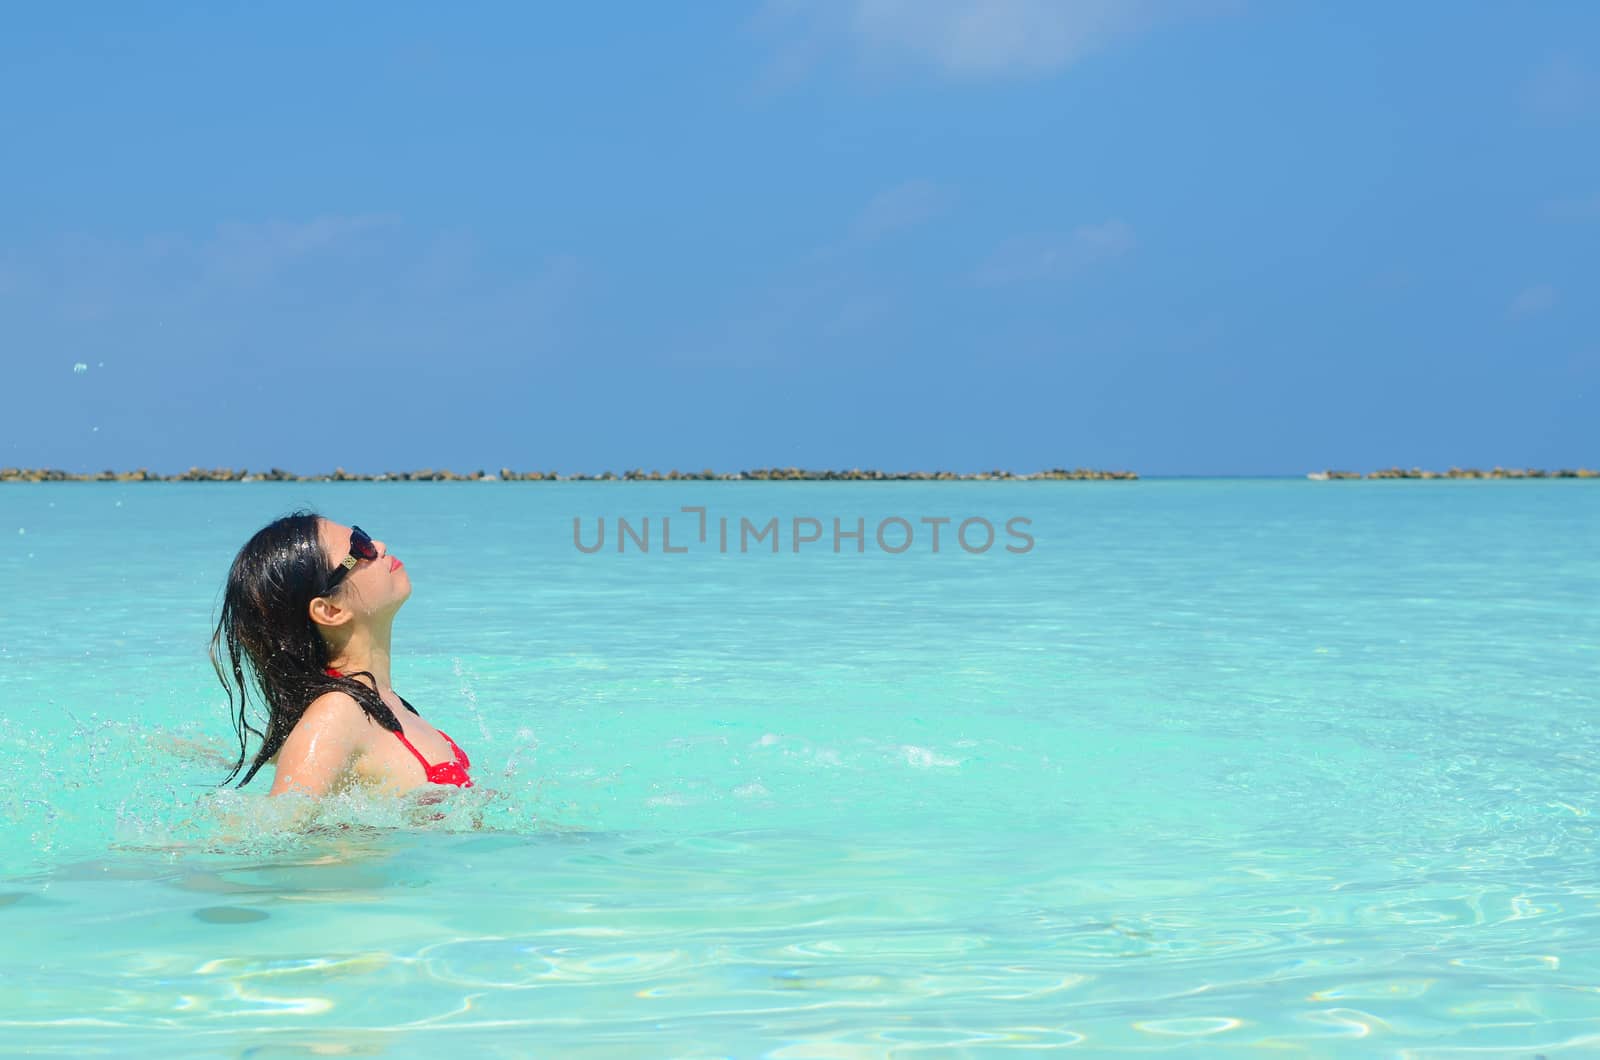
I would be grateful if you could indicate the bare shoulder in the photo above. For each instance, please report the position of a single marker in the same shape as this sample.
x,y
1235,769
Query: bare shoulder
x,y
333,710
317,754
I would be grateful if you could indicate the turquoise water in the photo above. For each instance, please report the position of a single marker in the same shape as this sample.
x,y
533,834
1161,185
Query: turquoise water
x,y
1307,766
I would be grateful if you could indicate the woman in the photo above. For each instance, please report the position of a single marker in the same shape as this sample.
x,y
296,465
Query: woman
x,y
310,605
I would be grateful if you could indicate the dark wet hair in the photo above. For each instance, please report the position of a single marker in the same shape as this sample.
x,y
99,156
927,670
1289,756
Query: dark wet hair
x,y
265,628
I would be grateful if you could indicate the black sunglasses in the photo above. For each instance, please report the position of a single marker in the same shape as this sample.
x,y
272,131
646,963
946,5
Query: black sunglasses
x,y
361,547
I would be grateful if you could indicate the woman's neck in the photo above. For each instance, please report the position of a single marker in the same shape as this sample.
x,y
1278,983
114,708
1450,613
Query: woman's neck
x,y
367,649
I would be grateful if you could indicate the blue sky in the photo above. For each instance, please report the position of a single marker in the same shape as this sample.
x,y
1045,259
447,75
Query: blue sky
x,y
1200,237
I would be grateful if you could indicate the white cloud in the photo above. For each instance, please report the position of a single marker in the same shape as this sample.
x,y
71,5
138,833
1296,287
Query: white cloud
x,y
89,277
1580,209
361,283
830,292
975,37
254,251
971,38
1562,91
1106,239
1036,256
1540,298
903,206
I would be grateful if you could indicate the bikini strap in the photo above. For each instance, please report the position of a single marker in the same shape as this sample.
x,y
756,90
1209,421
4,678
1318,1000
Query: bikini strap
x,y
331,672
426,765
459,753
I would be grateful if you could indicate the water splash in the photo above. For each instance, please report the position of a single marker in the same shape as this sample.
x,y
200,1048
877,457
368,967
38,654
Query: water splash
x,y
471,696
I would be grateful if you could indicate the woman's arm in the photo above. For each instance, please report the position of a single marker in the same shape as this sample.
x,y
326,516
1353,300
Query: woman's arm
x,y
317,755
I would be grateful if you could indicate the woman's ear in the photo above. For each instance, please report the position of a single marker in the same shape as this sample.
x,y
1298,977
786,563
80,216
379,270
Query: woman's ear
x,y
324,612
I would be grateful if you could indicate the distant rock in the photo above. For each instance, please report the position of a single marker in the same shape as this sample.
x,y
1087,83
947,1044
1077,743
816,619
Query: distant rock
x,y
769,474
1455,473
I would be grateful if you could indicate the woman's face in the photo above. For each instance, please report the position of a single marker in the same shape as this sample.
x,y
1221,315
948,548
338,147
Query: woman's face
x,y
373,586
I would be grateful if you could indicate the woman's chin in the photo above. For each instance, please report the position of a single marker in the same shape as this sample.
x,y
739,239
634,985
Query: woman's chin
x,y
396,601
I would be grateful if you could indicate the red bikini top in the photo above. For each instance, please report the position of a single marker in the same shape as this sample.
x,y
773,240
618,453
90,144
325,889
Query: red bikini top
x,y
451,772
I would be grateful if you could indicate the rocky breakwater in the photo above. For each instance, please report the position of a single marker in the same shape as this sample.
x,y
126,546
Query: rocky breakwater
x,y
1455,473
796,474
770,474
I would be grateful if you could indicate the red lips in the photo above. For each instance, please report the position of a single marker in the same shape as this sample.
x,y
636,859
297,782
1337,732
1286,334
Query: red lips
x,y
394,563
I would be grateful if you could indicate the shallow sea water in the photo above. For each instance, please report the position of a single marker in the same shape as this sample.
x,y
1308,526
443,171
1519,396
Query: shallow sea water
x,y
1232,765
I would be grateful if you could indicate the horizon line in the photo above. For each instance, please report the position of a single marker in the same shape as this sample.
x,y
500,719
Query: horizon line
x,y
769,474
